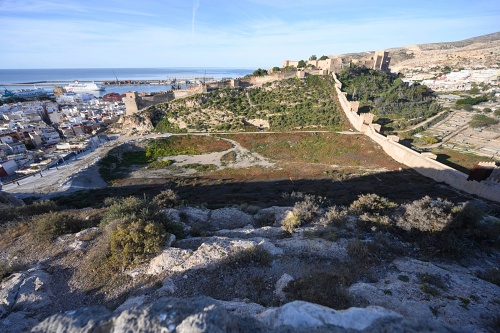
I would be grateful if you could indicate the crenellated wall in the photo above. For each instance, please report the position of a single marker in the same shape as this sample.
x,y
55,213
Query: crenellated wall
x,y
419,162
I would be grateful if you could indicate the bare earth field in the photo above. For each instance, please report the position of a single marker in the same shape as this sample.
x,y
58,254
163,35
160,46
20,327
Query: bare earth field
x,y
259,168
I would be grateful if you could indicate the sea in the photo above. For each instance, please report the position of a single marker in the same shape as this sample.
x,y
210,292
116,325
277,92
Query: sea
x,y
13,79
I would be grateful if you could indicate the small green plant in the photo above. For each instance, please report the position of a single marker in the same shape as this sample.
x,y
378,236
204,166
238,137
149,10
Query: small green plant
x,y
200,167
387,292
428,289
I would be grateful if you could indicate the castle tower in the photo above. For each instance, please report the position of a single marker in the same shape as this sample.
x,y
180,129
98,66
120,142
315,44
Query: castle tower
x,y
130,101
381,61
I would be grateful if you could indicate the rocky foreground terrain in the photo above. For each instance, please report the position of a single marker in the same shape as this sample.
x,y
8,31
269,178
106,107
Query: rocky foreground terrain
x,y
239,271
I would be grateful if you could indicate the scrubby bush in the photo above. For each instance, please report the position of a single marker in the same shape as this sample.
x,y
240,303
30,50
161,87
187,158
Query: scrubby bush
x,y
303,211
129,208
371,204
290,222
335,216
20,212
254,256
307,209
134,241
136,228
427,214
48,226
167,198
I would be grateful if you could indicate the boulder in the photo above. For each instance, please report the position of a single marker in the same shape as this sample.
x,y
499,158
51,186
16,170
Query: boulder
x,y
272,216
83,320
281,284
299,314
27,291
229,218
203,314
211,251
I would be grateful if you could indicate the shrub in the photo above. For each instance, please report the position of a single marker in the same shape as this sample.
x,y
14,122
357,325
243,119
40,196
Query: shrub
x,y
48,226
254,256
426,215
480,120
290,222
167,198
336,216
128,208
372,204
306,209
135,241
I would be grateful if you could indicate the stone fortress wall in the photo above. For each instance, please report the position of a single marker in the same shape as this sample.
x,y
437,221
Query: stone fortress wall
x,y
422,163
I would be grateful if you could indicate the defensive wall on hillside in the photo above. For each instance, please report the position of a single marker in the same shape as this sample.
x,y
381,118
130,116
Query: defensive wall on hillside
x,y
422,163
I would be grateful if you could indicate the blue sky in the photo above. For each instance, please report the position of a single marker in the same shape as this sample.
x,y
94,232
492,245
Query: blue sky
x,y
224,33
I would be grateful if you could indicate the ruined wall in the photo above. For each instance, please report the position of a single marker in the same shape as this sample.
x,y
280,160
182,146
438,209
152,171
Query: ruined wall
x,y
424,165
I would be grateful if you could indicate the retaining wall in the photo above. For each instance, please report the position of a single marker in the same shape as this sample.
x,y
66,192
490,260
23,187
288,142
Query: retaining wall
x,y
426,166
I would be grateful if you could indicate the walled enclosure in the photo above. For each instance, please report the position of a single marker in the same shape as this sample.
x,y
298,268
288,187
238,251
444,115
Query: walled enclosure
x,y
426,166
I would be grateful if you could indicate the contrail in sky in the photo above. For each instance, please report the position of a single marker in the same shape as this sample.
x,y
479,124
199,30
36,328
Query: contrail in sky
x,y
196,4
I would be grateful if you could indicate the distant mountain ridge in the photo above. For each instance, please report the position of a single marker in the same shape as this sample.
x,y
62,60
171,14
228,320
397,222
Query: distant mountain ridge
x,y
475,52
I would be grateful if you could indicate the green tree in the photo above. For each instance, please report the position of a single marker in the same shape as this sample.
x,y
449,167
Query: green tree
x,y
323,57
301,64
313,57
276,69
260,72
480,120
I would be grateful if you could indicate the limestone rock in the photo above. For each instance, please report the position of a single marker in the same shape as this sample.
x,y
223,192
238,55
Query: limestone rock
x,y
26,291
249,231
272,216
203,314
83,320
133,302
17,322
281,284
450,294
299,314
229,218
167,259
242,308
316,247
211,251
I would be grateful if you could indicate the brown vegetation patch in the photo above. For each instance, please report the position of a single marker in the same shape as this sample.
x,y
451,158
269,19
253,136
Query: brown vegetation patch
x,y
315,147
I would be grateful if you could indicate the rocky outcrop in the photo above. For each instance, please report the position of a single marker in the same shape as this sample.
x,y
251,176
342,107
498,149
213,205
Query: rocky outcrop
x,y
211,251
22,296
203,314
449,293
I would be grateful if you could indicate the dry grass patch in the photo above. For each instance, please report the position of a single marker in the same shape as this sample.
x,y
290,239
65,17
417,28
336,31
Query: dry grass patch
x,y
315,147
